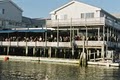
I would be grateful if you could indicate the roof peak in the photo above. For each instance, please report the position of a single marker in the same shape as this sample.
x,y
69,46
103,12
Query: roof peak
x,y
69,3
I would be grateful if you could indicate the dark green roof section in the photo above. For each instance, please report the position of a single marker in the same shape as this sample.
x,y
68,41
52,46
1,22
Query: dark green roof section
x,y
32,31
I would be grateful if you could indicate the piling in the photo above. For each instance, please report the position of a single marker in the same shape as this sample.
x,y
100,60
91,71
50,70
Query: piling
x,y
26,50
49,52
83,56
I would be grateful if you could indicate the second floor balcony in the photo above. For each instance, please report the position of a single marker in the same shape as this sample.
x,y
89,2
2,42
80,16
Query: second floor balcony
x,y
83,22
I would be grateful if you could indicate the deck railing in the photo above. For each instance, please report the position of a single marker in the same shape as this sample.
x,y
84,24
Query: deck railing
x,y
76,22
55,44
83,22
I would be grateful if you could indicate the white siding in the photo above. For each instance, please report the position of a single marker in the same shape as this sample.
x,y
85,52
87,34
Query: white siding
x,y
74,11
10,12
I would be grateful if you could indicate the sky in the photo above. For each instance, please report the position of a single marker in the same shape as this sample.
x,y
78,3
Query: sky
x,y
42,8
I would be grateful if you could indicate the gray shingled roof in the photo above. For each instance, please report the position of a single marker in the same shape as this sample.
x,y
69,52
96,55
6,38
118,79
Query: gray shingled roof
x,y
34,22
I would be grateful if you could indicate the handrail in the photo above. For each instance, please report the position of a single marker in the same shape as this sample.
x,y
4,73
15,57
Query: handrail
x,y
54,44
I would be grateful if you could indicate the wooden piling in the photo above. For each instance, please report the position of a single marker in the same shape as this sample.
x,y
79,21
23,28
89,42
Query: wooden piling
x,y
8,50
83,56
26,50
34,50
49,52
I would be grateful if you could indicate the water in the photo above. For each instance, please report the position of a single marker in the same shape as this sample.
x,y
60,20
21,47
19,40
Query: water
x,y
49,71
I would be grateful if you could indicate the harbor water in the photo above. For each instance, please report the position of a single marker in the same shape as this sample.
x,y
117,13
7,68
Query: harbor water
x,y
50,71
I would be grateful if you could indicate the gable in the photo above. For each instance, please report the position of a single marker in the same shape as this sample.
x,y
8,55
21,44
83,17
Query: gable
x,y
11,2
78,5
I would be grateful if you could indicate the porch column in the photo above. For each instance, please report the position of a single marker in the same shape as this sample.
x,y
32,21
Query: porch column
x,y
89,54
71,32
26,50
107,39
107,34
110,33
34,49
73,43
103,50
58,34
86,33
94,55
77,32
98,53
8,50
86,42
46,37
115,35
49,51
98,34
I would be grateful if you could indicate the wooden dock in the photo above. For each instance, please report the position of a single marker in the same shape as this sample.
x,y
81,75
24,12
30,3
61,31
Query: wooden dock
x,y
57,60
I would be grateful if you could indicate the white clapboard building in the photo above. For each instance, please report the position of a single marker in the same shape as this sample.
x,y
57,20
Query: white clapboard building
x,y
99,28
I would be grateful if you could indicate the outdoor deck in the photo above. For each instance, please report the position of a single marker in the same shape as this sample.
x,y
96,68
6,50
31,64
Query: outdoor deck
x,y
57,44
82,22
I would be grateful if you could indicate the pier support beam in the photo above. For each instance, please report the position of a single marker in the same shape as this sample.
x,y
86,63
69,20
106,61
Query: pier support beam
x,y
102,52
64,50
26,51
8,50
49,52
83,57
98,53
34,50
89,54
94,57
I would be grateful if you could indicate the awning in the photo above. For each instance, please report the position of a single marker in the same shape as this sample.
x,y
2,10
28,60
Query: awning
x,y
35,31
7,31
26,31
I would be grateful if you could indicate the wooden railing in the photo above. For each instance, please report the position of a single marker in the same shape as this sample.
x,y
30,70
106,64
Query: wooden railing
x,y
55,44
39,44
83,22
75,22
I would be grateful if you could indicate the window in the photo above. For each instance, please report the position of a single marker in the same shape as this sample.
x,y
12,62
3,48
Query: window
x,y
55,17
87,15
82,15
63,17
2,11
101,14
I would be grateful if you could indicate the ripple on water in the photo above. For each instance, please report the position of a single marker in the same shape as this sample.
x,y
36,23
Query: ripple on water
x,y
49,71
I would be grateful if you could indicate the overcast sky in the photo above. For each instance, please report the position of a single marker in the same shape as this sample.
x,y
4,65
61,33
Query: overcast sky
x,y
41,8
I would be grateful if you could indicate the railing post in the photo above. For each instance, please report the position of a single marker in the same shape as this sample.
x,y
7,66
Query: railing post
x,y
103,50
71,33
98,34
73,43
58,34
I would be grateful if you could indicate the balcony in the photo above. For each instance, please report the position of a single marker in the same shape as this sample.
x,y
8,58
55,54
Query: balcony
x,y
76,22
55,44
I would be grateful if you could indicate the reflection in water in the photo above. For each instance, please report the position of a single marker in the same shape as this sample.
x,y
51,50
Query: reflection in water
x,y
49,71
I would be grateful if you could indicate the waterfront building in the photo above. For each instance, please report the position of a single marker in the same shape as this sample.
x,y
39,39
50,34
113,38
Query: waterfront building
x,y
11,17
73,29
100,29
10,14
